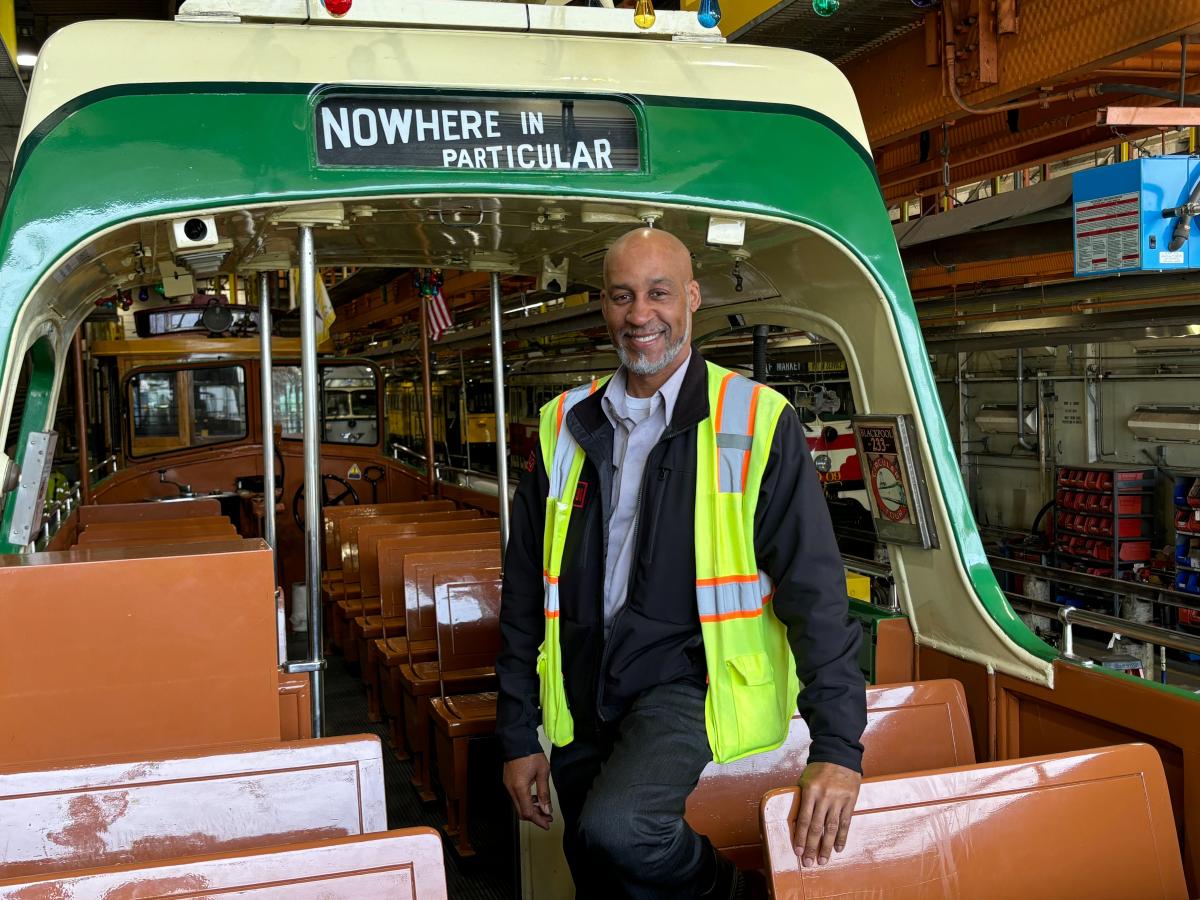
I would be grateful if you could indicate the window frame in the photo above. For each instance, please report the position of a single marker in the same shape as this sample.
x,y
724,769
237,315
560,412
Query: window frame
x,y
331,363
136,449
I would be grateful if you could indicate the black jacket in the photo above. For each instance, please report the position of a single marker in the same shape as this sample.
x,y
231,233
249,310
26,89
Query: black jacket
x,y
655,639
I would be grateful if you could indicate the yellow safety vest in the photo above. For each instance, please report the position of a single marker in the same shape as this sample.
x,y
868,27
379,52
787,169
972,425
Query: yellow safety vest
x,y
752,684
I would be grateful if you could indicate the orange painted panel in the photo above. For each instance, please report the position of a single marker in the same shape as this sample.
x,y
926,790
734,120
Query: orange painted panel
x,y
295,707
910,727
395,865
137,651
143,809
1095,824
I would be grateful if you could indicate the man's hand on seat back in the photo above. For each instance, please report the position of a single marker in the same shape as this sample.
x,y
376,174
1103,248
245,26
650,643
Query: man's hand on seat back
x,y
522,774
828,793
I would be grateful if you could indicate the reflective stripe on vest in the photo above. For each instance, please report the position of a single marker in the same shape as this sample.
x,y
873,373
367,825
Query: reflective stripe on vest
x,y
752,680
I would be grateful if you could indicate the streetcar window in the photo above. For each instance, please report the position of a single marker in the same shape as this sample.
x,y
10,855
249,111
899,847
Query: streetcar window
x,y
182,408
349,404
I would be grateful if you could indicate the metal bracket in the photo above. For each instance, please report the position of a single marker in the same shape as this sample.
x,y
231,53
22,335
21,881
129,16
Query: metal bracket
x,y
308,665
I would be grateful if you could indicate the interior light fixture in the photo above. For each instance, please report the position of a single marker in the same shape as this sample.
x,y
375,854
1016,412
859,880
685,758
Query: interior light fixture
x,y
26,60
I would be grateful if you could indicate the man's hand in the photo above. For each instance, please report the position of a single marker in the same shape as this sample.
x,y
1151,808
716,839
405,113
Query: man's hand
x,y
827,796
527,772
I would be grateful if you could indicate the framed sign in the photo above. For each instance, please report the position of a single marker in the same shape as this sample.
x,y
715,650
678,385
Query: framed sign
x,y
895,479
488,133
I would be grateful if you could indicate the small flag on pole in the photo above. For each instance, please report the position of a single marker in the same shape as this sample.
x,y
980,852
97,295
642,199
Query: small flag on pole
x,y
438,311
439,315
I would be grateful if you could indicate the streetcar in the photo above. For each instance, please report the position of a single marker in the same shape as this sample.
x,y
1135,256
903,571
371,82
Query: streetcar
x,y
313,141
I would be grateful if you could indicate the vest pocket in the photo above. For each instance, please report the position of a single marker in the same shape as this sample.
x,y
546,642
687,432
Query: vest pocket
x,y
754,696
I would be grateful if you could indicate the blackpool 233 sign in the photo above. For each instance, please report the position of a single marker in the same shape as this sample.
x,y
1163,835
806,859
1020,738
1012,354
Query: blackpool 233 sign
x,y
498,134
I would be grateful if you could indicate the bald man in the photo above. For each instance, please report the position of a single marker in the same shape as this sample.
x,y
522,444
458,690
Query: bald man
x,y
625,608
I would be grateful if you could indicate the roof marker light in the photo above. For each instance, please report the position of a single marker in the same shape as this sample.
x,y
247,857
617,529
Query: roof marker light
x,y
709,14
337,7
825,8
643,14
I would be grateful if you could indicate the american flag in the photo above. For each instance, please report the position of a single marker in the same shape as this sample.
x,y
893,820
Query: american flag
x,y
439,314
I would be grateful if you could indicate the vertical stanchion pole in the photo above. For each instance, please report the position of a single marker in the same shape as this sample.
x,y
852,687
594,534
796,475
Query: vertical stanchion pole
x,y
312,471
431,481
268,406
498,396
85,475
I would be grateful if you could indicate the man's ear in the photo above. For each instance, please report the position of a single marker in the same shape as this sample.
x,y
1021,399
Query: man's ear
x,y
694,299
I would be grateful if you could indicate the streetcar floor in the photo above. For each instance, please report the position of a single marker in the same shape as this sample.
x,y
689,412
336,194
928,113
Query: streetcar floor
x,y
490,874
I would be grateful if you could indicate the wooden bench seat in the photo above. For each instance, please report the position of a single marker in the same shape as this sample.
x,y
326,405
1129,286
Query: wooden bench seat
x,y
369,624
468,639
910,727
355,596
1094,824
396,648
132,533
413,683
154,660
86,814
99,513
399,865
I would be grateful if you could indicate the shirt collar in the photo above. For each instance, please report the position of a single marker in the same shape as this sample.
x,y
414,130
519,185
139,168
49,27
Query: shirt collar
x,y
614,393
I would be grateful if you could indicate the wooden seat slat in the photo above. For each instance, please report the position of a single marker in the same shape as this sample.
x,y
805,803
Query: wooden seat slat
x,y
95,514
87,814
1093,824
910,727
398,865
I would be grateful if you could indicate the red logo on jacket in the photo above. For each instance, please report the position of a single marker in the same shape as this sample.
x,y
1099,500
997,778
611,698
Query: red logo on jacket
x,y
581,494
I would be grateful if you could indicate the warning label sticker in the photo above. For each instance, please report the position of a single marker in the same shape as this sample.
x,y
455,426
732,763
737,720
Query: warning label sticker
x,y
1108,234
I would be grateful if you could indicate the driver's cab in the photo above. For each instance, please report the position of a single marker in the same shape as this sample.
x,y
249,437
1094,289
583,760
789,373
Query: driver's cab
x,y
350,405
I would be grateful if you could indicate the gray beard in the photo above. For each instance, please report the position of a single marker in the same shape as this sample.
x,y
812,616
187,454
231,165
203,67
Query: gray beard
x,y
638,364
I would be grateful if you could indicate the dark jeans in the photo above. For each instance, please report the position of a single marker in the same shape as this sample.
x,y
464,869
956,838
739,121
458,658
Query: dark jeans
x,y
621,794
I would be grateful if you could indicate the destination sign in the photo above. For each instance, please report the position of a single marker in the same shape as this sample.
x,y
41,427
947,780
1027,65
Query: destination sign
x,y
497,134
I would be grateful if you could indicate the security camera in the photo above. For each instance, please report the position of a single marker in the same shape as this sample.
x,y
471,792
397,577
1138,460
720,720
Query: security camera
x,y
193,233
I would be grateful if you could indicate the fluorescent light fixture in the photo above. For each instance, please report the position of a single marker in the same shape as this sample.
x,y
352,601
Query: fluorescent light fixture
x,y
26,60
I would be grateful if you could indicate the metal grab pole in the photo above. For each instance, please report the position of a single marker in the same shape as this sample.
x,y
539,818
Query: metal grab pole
x,y
312,472
431,481
85,475
268,407
498,399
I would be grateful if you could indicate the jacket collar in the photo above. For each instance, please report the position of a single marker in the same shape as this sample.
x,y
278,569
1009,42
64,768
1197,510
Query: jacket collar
x,y
690,409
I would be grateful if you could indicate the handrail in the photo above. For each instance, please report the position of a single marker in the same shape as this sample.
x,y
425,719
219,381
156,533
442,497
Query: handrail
x,y
866,567
1138,631
1165,596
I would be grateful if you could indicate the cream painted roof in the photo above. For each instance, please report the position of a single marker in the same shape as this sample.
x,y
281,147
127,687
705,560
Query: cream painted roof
x,y
91,55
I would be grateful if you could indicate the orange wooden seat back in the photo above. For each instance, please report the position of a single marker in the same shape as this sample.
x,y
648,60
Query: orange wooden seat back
x,y
1095,824
399,865
393,578
135,652
95,514
119,533
910,727
78,816
422,567
333,515
350,529
370,536
468,619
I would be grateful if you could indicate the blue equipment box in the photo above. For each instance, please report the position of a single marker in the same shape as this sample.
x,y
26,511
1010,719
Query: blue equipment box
x,y
1119,226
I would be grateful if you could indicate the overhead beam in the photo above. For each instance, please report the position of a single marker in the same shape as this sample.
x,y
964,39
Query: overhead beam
x,y
1058,42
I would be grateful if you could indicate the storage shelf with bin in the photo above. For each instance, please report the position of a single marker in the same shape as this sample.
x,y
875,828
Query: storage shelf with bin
x,y
1187,542
1104,519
